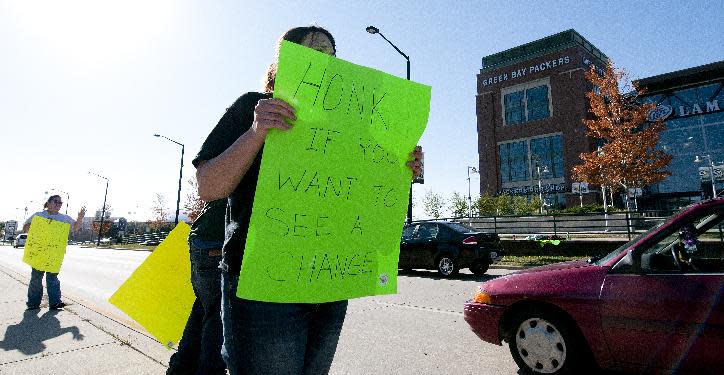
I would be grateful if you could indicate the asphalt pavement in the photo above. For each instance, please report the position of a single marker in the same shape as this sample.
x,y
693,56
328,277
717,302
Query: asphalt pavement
x,y
420,330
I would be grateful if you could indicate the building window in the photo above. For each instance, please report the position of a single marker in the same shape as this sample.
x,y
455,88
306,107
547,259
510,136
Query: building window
x,y
548,151
527,102
514,108
518,159
513,161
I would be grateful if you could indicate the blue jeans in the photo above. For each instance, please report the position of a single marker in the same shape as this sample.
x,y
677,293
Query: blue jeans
x,y
278,338
35,288
199,351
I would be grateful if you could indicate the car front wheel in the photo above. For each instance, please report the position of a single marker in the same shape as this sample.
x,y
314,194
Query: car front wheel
x,y
543,343
446,266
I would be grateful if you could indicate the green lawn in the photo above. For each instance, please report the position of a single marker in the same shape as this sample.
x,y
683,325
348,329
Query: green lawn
x,y
532,261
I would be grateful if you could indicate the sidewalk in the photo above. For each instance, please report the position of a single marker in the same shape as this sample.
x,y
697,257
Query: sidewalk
x,y
74,340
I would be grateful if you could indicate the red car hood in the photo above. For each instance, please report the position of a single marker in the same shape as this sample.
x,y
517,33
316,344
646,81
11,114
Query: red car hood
x,y
576,280
556,266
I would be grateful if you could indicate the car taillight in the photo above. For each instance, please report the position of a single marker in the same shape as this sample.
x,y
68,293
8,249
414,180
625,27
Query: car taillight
x,y
470,241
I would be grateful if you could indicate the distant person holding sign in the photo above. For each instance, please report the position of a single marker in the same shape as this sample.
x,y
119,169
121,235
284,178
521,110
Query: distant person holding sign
x,y
199,351
264,337
35,287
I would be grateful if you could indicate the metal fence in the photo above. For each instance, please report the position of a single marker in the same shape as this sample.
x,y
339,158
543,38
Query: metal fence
x,y
620,224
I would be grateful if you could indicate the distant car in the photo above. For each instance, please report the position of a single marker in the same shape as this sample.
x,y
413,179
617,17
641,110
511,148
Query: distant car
x,y
654,305
20,240
448,247
150,243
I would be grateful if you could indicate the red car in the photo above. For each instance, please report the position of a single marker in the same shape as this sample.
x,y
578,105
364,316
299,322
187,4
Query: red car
x,y
653,305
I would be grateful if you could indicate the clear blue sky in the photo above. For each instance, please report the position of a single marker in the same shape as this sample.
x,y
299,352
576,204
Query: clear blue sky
x,y
85,84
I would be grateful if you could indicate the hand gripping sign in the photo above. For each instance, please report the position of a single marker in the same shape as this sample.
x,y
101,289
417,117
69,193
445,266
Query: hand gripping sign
x,y
332,193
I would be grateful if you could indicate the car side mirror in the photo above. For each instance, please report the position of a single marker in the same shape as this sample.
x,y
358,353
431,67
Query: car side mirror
x,y
645,264
627,264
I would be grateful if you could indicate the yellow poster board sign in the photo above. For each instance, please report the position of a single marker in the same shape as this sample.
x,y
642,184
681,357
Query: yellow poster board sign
x,y
158,295
45,247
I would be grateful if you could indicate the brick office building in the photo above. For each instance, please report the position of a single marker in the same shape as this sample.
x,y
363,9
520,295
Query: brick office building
x,y
530,102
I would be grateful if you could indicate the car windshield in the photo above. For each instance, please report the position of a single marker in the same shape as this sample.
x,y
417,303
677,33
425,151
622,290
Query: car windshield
x,y
603,260
458,227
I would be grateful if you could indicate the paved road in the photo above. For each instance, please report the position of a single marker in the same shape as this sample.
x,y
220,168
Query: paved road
x,y
420,330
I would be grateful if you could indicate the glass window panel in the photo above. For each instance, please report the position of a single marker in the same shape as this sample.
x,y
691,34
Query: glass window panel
x,y
684,175
514,108
538,103
714,116
681,141
720,96
706,93
549,152
666,101
688,96
715,137
683,122
653,99
519,161
677,103
557,156
540,149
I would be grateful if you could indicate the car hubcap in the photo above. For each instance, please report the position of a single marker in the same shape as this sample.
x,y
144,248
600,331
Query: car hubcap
x,y
540,345
446,266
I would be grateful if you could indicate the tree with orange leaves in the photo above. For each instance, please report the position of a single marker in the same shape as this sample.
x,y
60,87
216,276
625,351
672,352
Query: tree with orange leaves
x,y
193,205
628,157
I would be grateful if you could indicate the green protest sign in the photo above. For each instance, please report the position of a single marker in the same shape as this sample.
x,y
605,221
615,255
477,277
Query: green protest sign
x,y
332,192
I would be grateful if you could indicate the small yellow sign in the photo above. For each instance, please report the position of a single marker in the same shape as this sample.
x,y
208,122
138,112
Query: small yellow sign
x,y
45,247
158,295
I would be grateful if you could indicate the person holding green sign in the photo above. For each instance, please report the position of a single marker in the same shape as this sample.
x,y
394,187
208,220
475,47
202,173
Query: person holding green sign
x,y
264,337
35,287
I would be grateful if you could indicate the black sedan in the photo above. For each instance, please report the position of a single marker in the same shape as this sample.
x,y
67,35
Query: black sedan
x,y
448,247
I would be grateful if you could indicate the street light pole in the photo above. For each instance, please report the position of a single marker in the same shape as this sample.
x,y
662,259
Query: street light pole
x,y
540,183
26,211
103,211
697,159
470,198
373,30
180,175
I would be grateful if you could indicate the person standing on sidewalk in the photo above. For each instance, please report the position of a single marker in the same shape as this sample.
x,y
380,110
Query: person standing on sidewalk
x,y
199,351
35,287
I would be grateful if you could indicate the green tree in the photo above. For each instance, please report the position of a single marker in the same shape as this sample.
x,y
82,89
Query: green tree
x,y
459,205
502,205
433,204
485,205
523,206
